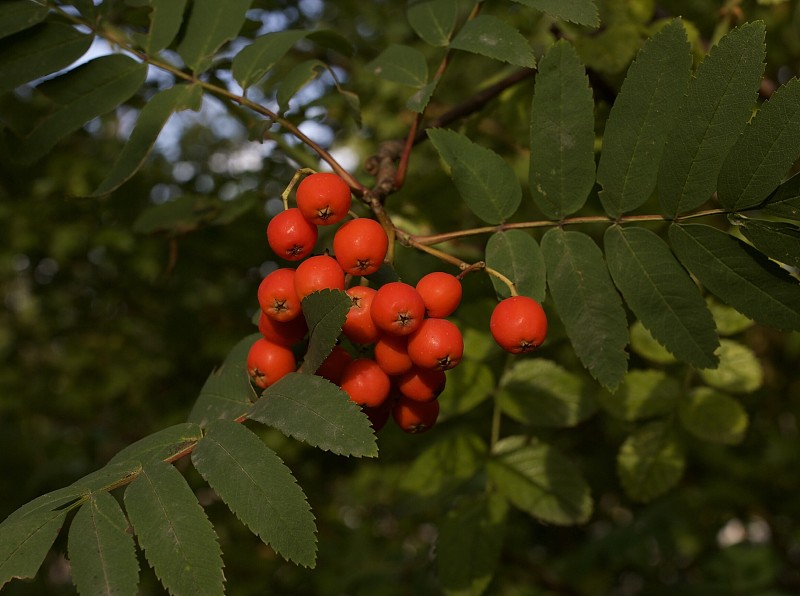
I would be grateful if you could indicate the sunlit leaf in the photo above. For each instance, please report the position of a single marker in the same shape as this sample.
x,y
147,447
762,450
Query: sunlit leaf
x,y
211,24
647,347
739,369
453,457
728,320
643,394
651,461
713,416
495,38
516,255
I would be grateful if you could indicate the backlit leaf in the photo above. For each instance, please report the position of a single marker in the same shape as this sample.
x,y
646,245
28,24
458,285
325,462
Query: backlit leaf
x,y
211,24
516,255
728,320
493,37
433,20
259,489
18,15
468,385
582,12
713,416
401,64
587,303
643,394
325,312
647,347
258,58
485,181
777,240
453,457
562,170
739,369
166,17
650,461
297,78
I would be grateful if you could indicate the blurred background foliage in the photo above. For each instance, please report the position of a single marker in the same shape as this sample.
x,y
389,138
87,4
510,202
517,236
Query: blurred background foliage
x,y
112,319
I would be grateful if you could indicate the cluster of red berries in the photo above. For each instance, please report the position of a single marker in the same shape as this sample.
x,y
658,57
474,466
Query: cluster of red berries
x,y
404,328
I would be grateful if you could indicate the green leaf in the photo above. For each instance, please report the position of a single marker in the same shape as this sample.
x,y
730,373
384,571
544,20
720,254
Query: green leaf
x,y
18,15
102,553
259,489
166,18
181,215
311,409
401,64
83,93
765,151
718,105
297,78
739,369
785,201
485,181
419,100
325,312
152,118
542,393
174,532
562,134
643,344
258,58
25,541
611,49
643,394
587,303
211,24
433,20
582,12
713,416
160,445
661,294
516,255
643,113
738,275
111,475
728,320
453,457
777,240
228,392
48,48
650,461
494,38
468,385
469,544
539,480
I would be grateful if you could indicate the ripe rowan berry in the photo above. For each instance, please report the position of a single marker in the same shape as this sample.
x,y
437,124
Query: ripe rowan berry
x,y
318,273
391,354
441,293
415,416
359,326
360,246
397,308
332,368
518,324
267,362
422,384
277,296
365,382
285,333
437,343
290,235
323,198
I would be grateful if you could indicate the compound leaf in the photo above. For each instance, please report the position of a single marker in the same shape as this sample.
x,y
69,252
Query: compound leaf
x,y
582,12
174,532
258,488
713,416
516,255
311,409
211,24
325,312
161,445
777,240
562,169
433,20
493,37
650,461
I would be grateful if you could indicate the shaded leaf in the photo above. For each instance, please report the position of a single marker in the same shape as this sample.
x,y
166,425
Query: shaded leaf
x,y
211,24
643,113
470,542
181,215
258,58
59,499
311,409
259,489
582,12
738,275
739,369
650,461
661,294
647,347
401,64
587,303
611,50
485,181
643,394
419,101
174,532
718,105
468,385
777,240
562,167
160,445
102,553
433,20
516,255
453,457
166,18
152,118
764,152
48,48
493,37
18,15
325,312
542,393
713,416
297,78
25,541
227,393
785,201
111,475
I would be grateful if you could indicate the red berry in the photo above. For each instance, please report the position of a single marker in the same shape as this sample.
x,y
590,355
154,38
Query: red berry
x,y
323,198
378,416
414,416
441,293
365,382
360,246
518,324
332,368
290,235
391,354
397,308
318,273
359,326
277,296
437,343
267,362
422,384
285,333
